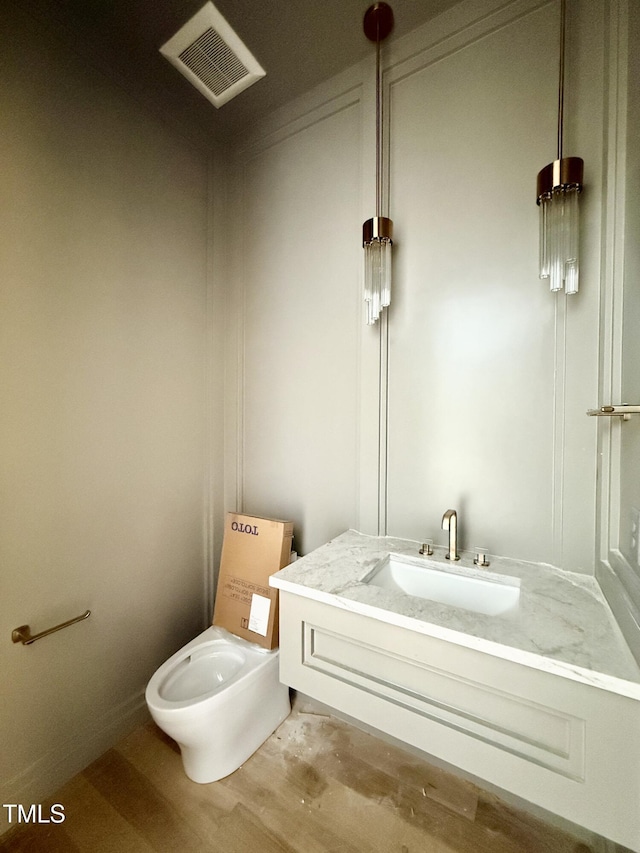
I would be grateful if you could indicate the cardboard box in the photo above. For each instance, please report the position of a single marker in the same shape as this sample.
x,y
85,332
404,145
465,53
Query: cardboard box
x,y
253,548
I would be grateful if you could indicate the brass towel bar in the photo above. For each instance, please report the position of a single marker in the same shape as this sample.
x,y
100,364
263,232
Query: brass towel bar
x,y
23,633
614,411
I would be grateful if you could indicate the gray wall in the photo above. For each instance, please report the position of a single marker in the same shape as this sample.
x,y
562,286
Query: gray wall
x,y
103,355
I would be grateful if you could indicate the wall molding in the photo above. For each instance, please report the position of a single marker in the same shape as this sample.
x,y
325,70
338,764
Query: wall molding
x,y
314,113
452,31
214,463
617,578
438,39
350,90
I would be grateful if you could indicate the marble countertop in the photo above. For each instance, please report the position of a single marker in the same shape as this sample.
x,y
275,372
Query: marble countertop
x,y
561,625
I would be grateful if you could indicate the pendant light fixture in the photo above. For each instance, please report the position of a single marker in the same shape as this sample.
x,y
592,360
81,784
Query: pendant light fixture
x,y
377,232
559,185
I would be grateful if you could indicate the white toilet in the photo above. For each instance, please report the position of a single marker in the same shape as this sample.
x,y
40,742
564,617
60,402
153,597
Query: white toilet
x,y
219,698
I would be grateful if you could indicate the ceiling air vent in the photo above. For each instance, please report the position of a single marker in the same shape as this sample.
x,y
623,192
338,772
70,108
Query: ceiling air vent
x,y
212,57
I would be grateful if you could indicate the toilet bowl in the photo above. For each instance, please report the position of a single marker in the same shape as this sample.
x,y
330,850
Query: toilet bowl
x,y
219,698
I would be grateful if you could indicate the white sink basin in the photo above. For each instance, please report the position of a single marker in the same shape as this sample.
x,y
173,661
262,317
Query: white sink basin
x,y
470,589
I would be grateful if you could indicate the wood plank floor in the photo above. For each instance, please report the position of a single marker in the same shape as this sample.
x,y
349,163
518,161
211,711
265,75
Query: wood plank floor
x,y
317,785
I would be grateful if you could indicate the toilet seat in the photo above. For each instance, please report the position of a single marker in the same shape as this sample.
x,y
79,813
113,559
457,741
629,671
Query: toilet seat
x,y
204,672
213,661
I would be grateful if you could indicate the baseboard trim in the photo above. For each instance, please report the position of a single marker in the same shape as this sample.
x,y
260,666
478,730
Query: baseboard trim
x,y
53,769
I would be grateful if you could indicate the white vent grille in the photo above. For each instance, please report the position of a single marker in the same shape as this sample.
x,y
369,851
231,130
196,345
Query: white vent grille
x,y
212,61
212,57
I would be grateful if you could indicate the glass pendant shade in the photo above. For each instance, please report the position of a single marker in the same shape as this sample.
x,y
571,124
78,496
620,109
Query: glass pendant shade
x,y
377,243
559,185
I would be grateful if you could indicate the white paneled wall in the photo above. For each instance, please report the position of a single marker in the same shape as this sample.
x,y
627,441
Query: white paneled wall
x,y
298,298
487,376
472,331
482,380
629,533
618,568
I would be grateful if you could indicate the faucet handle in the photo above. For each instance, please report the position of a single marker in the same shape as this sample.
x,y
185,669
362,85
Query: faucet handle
x,y
427,548
481,555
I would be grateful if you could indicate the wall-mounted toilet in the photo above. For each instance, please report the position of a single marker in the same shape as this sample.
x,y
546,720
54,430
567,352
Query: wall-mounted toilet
x,y
219,698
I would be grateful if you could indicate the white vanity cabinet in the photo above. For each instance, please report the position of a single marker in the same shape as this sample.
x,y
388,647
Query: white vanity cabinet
x,y
564,744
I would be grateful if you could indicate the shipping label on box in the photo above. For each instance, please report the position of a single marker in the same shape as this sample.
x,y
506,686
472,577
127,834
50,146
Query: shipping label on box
x,y
253,548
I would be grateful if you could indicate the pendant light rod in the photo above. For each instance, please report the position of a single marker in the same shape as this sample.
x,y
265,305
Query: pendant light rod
x,y
563,13
564,172
377,24
378,127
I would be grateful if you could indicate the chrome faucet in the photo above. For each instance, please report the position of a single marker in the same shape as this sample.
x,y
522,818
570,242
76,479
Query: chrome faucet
x,y
450,523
